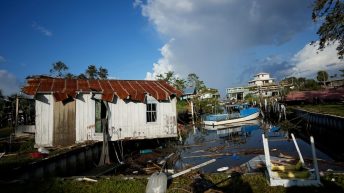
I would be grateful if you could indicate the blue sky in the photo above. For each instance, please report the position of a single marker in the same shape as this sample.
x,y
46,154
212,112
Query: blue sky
x,y
112,34
224,42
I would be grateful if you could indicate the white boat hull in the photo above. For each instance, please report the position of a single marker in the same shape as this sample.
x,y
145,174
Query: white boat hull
x,y
229,121
232,125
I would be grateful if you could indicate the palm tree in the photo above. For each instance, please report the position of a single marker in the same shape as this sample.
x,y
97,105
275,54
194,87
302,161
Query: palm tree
x,y
69,75
82,76
102,73
58,68
92,72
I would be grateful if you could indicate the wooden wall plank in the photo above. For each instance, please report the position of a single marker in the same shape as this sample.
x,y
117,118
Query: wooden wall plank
x,y
64,123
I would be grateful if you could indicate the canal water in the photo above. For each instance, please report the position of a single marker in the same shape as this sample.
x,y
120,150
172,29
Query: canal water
x,y
235,145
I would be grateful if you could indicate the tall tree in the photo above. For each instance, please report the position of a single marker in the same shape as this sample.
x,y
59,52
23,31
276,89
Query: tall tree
x,y
322,76
82,76
331,14
92,72
69,75
194,81
172,79
168,77
179,83
58,69
102,73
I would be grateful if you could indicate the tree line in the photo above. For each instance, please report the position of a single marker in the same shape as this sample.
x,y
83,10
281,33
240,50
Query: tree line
x,y
174,80
302,83
60,69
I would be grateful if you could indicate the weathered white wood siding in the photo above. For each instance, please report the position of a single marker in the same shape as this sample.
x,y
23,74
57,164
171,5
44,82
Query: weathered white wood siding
x,y
128,120
85,117
44,120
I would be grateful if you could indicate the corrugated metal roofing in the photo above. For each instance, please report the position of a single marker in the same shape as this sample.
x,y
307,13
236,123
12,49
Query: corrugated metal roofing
x,y
124,89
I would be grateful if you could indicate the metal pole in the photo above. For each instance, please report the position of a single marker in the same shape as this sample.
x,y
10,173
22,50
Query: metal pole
x,y
298,150
17,109
315,162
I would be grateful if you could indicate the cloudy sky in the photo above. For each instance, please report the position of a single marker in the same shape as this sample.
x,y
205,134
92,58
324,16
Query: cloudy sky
x,y
225,42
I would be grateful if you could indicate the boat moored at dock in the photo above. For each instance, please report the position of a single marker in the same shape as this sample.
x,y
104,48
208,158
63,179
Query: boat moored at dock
x,y
238,113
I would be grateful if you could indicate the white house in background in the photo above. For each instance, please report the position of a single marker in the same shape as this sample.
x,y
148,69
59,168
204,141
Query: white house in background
x,y
188,93
261,79
262,84
70,111
209,93
237,93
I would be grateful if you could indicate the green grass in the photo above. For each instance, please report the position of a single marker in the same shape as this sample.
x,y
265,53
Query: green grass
x,y
182,106
255,183
332,109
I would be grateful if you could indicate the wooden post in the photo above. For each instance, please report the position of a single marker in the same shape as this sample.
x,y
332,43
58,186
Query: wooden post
x,y
192,113
104,157
193,168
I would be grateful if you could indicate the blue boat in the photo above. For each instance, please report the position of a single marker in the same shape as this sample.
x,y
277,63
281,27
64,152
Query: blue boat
x,y
240,113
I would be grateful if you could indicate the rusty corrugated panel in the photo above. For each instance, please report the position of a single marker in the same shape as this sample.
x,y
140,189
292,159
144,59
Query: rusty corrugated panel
x,y
46,85
141,92
105,85
31,87
108,92
58,85
162,93
169,92
119,90
71,87
149,90
171,88
83,85
94,85
108,97
125,85
136,89
60,96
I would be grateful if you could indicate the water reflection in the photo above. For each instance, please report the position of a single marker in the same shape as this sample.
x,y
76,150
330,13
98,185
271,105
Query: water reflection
x,y
233,145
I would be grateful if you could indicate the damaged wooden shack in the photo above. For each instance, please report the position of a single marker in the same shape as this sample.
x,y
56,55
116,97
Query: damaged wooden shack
x,y
70,111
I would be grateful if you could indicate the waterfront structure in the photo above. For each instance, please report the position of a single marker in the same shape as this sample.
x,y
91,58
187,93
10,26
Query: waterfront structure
x,y
261,79
189,93
237,93
209,93
335,82
72,111
261,85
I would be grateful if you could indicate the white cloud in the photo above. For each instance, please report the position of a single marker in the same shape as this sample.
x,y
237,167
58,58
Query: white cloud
x,y
163,65
210,37
305,63
309,60
42,29
8,83
2,59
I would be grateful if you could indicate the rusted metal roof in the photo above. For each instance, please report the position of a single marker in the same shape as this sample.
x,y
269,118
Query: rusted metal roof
x,y
125,89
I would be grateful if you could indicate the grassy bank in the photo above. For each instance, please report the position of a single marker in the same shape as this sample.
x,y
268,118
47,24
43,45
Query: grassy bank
x,y
255,183
332,109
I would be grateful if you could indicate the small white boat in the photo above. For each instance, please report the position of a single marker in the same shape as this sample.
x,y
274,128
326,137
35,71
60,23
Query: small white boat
x,y
232,125
245,114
